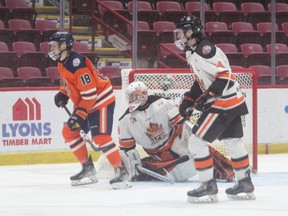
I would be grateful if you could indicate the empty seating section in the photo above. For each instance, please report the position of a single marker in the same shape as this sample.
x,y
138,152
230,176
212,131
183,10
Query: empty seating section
x,y
6,35
264,29
281,53
235,57
282,73
109,17
7,78
4,15
164,31
227,12
281,9
28,56
83,49
255,12
7,58
32,76
168,56
19,9
23,31
114,74
46,28
53,74
245,33
146,41
194,8
242,29
145,12
170,11
264,74
255,55
218,32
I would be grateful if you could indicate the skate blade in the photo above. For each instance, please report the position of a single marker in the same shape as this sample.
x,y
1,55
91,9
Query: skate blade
x,y
242,196
204,199
121,185
85,181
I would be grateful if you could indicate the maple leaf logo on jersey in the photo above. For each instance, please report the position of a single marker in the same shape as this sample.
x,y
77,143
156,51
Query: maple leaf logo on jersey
x,y
155,132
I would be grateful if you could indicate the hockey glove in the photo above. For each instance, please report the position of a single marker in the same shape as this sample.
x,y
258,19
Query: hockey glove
x,y
61,99
185,106
205,101
77,119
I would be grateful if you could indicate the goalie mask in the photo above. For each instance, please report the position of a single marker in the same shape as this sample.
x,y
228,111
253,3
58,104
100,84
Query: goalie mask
x,y
136,95
59,42
186,23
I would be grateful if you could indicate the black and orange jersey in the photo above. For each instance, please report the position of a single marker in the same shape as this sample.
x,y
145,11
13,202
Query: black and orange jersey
x,y
213,73
84,84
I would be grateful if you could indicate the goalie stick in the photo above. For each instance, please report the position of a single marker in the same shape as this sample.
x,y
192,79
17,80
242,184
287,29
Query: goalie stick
x,y
169,178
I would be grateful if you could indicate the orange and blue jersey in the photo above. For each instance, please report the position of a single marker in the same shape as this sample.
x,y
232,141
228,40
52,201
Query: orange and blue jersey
x,y
84,84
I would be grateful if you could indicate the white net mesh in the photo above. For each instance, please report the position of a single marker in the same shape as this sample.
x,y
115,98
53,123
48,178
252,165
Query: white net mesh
x,y
173,83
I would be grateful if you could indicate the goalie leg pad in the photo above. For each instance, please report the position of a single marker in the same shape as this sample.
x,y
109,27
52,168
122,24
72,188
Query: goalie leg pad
x,y
184,171
130,159
222,166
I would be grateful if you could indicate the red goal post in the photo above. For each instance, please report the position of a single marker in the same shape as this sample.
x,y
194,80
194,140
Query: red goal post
x,y
174,82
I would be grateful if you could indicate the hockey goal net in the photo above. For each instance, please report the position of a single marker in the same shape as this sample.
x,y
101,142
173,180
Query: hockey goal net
x,y
173,83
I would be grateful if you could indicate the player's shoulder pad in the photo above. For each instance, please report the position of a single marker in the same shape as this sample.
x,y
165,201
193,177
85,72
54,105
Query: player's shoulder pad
x,y
75,62
206,49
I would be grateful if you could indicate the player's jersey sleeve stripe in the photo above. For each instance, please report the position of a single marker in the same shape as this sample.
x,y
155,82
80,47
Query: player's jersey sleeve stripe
x,y
226,76
228,103
105,92
104,98
127,143
89,94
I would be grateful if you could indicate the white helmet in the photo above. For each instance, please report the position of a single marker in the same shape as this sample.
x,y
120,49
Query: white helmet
x,y
136,95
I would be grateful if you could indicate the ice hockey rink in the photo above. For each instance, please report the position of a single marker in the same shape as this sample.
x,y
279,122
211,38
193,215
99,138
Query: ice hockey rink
x,y
45,190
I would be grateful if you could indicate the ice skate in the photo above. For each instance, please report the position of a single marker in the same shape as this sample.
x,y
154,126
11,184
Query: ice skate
x,y
121,179
86,176
206,193
243,190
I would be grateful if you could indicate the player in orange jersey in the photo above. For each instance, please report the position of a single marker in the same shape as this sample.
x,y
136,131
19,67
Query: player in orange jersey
x,y
216,93
94,102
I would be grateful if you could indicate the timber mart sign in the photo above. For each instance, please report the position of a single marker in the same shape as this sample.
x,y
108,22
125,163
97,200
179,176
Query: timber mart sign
x,y
27,127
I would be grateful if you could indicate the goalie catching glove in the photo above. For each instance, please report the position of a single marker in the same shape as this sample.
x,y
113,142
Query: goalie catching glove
x,y
77,119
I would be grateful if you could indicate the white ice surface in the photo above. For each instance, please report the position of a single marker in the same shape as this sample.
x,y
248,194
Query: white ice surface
x,y
45,190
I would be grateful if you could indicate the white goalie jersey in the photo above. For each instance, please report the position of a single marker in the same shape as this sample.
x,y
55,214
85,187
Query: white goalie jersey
x,y
151,127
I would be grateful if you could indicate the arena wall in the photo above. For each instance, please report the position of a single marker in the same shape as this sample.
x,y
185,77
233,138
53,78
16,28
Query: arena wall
x,y
31,125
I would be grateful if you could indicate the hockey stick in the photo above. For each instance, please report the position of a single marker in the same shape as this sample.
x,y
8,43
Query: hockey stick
x,y
84,135
169,178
